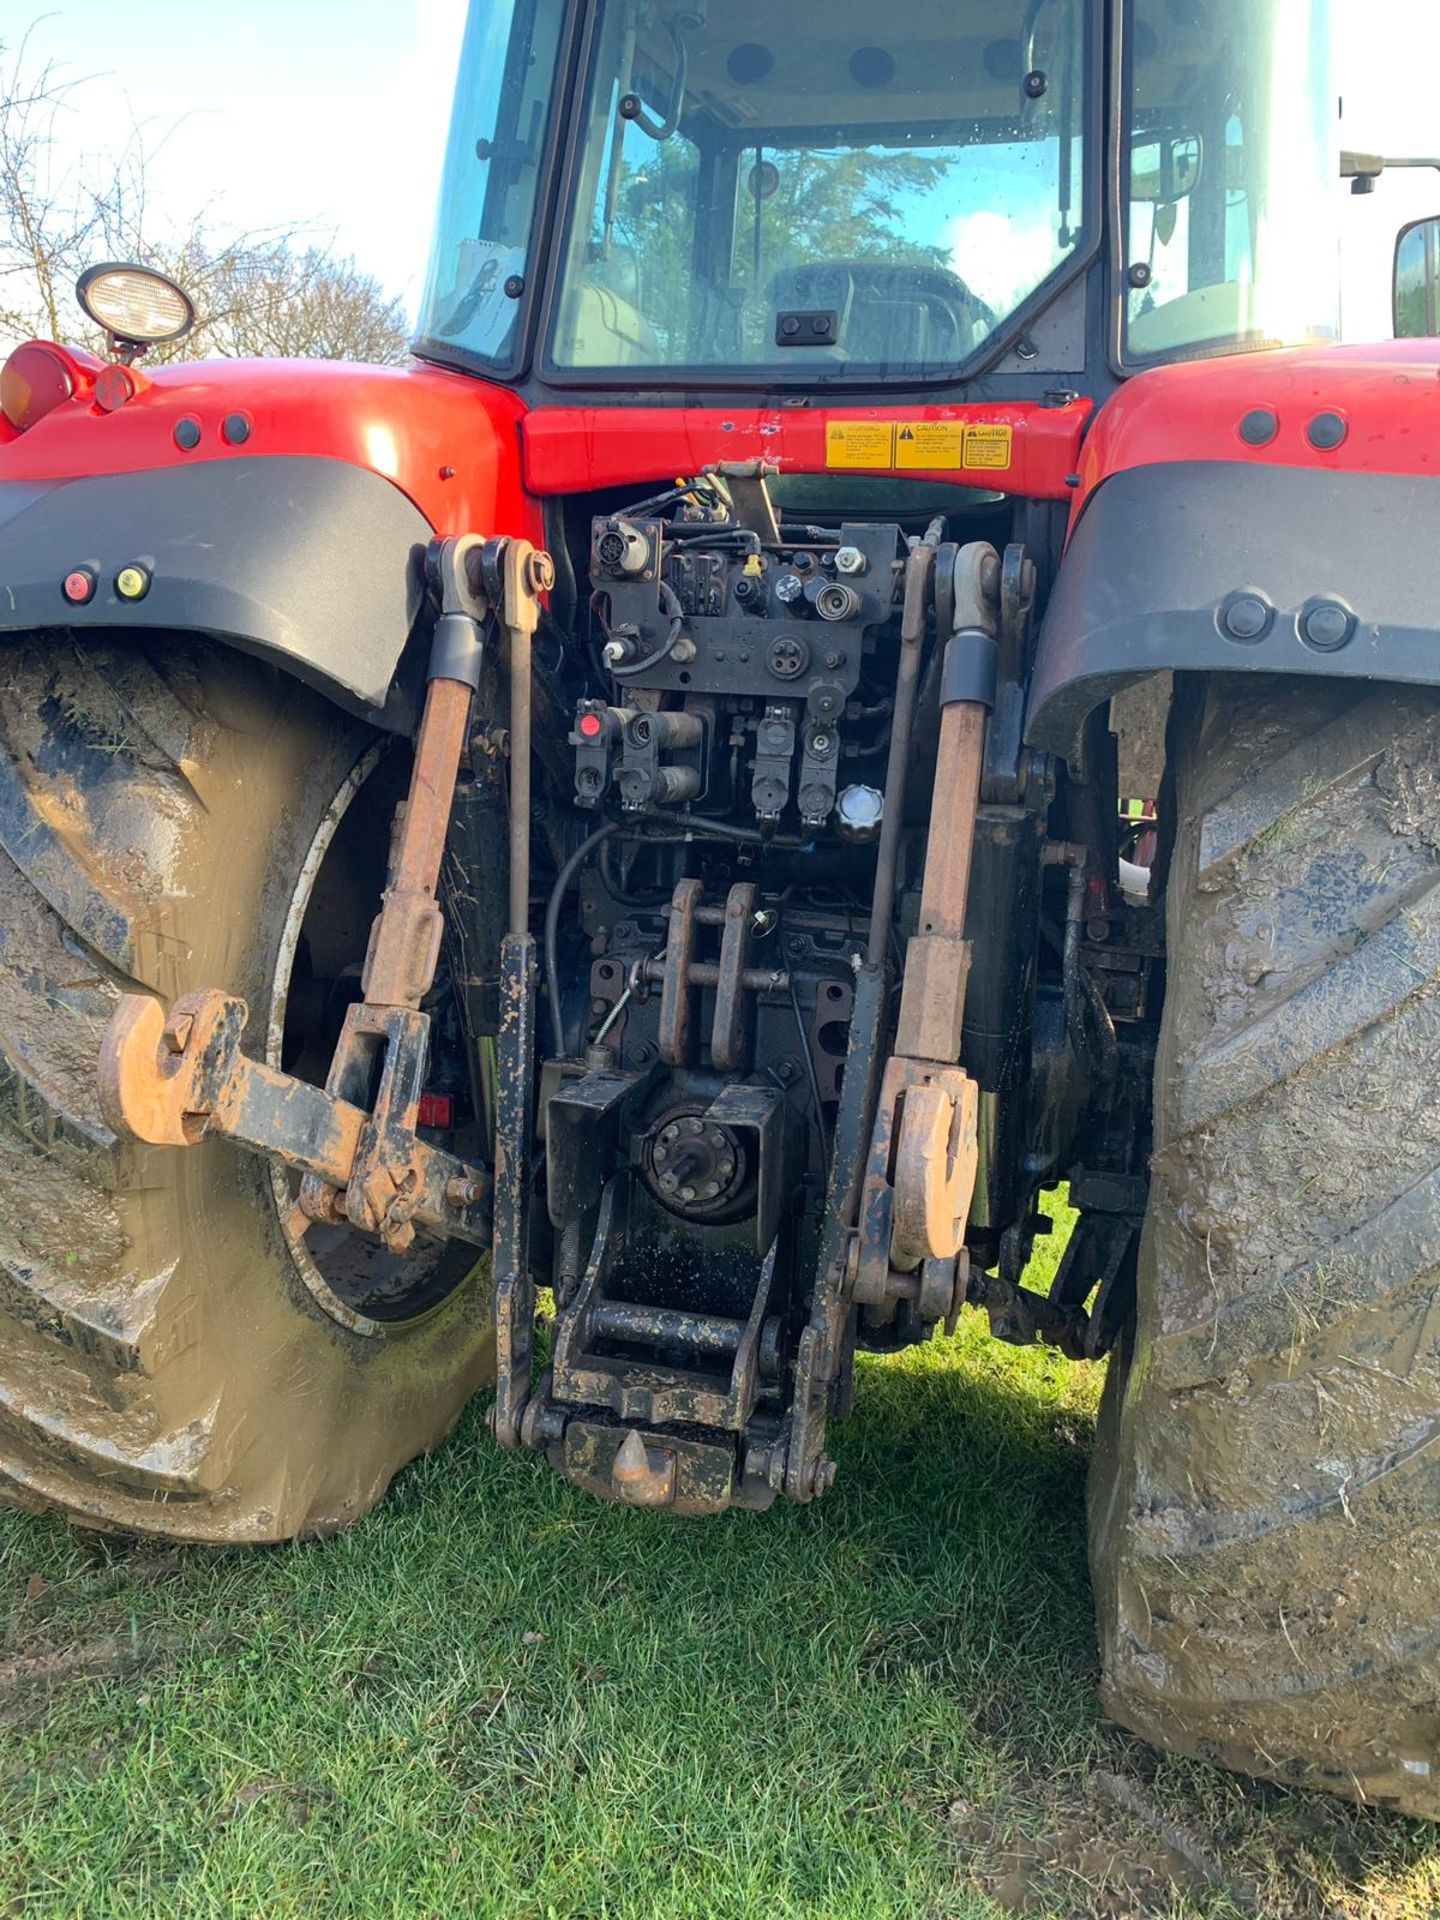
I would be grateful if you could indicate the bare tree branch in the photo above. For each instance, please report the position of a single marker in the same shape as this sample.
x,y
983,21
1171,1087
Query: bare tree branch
x,y
254,293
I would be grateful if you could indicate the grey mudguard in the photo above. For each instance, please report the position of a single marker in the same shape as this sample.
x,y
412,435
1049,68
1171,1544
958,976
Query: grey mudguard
x,y
1177,566
312,563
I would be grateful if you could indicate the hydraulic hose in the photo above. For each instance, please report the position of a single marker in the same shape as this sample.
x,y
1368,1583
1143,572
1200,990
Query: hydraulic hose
x,y
673,608
552,929
683,827
1081,992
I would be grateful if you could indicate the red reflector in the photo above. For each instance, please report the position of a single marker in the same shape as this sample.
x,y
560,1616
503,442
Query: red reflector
x,y
436,1110
78,586
591,726
113,387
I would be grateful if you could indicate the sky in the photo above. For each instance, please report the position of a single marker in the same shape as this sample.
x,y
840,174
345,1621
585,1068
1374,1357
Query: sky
x,y
332,114
327,113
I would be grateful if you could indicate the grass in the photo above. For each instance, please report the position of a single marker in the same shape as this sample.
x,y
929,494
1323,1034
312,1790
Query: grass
x,y
496,1697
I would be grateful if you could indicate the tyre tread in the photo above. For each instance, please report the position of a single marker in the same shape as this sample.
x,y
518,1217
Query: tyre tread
x,y
1265,1503
163,1369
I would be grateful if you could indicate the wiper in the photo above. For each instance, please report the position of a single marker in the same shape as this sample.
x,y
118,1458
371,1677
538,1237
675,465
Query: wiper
x,y
468,305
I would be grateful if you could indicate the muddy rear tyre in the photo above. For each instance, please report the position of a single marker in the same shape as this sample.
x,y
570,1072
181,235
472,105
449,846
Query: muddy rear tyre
x,y
1265,1501
164,1367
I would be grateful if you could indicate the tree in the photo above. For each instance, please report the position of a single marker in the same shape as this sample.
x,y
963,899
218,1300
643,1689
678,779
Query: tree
x,y
253,293
267,296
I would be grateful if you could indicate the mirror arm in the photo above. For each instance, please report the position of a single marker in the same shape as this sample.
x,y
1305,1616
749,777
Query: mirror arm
x,y
662,129
1362,170
1029,29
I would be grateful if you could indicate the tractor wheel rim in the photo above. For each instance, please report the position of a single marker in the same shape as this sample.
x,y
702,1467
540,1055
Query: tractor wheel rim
x,y
437,1280
316,1284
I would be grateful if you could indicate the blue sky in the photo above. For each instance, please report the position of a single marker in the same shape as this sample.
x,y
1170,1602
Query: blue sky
x,y
266,114
332,113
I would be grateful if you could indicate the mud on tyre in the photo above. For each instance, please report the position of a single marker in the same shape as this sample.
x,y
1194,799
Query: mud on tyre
x,y
171,1361
1265,1501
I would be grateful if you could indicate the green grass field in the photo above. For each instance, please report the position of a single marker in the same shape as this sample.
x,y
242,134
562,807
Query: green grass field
x,y
496,1697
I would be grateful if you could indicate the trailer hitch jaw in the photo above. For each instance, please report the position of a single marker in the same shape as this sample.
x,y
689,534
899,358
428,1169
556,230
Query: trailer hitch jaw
x,y
180,1078
177,1079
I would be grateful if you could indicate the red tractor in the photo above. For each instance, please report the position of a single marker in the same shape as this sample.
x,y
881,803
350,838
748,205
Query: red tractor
x,y
850,464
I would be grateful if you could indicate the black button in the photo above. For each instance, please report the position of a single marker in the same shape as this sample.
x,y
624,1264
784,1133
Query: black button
x,y
1259,427
1326,431
235,427
187,432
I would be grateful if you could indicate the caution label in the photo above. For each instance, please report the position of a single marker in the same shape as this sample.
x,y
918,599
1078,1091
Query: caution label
x,y
930,444
919,446
860,443
988,446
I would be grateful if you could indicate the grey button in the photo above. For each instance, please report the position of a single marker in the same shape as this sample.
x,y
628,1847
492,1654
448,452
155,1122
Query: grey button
x,y
1245,617
1326,625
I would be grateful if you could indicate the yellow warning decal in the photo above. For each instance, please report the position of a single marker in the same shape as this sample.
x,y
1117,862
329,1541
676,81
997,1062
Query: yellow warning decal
x,y
988,446
930,444
919,446
859,443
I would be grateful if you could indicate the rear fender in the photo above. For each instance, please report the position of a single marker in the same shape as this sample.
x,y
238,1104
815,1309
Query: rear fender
x,y
310,563
1263,513
281,507
314,564
1215,567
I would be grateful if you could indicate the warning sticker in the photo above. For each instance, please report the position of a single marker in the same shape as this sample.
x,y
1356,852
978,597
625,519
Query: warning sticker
x,y
930,444
859,443
988,446
919,446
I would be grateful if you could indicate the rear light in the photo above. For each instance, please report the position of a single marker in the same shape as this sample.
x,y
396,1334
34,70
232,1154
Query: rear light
x,y
32,381
436,1110
40,376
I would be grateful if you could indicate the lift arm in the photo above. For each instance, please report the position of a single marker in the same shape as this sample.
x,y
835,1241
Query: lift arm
x,y
179,1079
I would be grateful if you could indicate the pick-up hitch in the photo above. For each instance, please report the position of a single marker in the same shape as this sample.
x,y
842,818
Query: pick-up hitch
x,y
178,1079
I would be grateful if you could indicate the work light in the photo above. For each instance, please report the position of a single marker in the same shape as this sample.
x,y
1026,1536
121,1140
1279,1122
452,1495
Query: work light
x,y
137,307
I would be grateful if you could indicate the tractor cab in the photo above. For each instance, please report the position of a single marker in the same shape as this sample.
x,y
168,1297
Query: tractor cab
x,y
677,193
